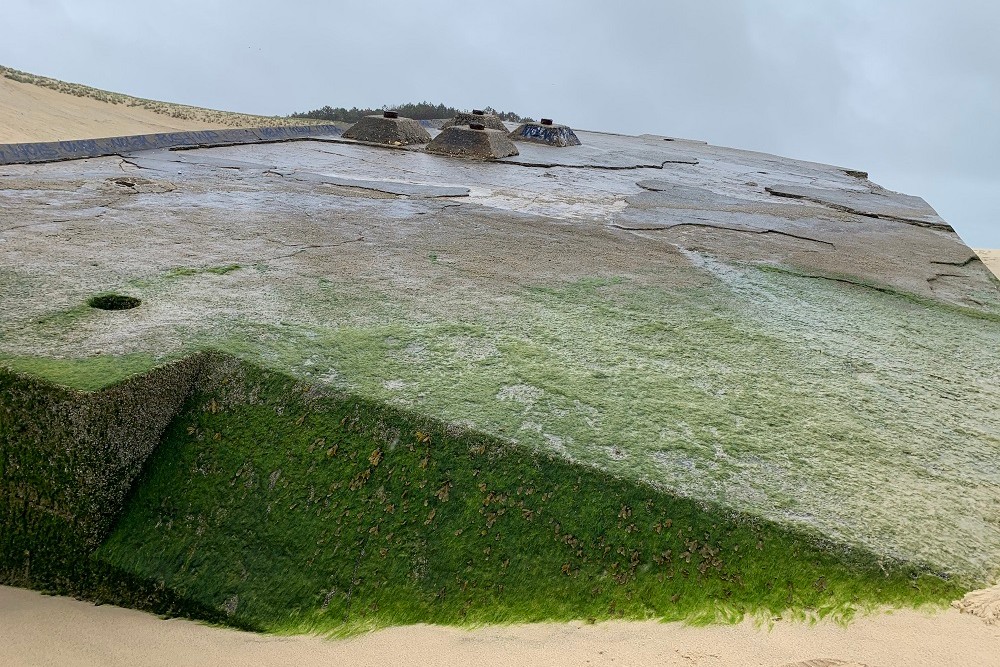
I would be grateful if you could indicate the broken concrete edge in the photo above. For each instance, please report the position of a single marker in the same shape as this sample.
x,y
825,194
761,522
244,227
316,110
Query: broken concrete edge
x,y
96,442
789,192
56,151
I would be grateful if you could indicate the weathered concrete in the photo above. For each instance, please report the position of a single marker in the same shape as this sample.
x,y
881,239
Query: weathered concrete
x,y
627,296
552,134
873,202
54,151
463,141
488,120
378,129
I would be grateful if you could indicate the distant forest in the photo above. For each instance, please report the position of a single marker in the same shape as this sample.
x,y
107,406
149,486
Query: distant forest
x,y
419,111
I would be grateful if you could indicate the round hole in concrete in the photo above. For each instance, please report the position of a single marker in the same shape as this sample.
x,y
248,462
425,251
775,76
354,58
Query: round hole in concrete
x,y
113,302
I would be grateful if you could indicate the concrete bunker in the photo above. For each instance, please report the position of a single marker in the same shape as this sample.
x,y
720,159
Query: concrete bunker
x,y
546,132
488,120
474,140
388,128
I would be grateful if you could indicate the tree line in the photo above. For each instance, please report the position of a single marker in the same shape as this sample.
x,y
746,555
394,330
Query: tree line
x,y
418,111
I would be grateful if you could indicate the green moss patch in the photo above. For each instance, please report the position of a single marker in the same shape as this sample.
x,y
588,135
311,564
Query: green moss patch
x,y
289,510
86,373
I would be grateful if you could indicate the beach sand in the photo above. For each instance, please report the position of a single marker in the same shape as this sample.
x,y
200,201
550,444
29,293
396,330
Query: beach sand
x,y
991,258
41,630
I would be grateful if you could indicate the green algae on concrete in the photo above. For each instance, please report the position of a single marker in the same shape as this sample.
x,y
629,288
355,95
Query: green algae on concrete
x,y
824,378
295,510
800,400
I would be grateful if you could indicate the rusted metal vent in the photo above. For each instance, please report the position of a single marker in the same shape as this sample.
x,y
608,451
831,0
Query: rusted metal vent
x,y
476,126
388,129
546,132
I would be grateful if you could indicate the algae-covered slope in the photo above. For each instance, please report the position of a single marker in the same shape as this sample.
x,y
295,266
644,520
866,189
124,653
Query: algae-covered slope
x,y
291,509
760,338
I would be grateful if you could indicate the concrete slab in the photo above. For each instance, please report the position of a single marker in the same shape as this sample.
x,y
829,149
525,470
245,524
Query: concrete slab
x,y
645,306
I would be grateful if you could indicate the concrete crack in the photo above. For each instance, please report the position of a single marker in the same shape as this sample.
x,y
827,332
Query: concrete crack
x,y
125,160
970,260
938,276
729,229
375,164
318,245
604,167
854,211
846,281
33,224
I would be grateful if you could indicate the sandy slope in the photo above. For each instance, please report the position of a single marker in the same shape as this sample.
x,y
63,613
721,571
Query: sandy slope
x,y
39,630
991,258
33,113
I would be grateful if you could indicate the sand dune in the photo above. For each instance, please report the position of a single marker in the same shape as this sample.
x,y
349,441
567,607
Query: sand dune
x,y
37,108
40,630
34,113
991,258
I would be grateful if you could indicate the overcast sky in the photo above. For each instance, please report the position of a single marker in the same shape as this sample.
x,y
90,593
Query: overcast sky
x,y
907,90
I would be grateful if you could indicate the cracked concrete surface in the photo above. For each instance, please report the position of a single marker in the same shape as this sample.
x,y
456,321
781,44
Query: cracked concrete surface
x,y
653,299
873,203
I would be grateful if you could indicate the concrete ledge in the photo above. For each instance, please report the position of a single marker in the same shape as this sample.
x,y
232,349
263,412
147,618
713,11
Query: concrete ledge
x,y
54,151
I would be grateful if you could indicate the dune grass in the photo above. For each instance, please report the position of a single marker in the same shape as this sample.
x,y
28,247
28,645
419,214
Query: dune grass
x,y
171,109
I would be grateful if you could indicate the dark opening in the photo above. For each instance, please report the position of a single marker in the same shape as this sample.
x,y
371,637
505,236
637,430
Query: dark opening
x,y
113,302
477,126
546,121
390,114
